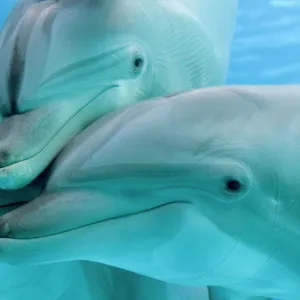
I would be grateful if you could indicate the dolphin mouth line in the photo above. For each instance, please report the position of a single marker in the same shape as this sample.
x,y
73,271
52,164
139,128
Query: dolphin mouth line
x,y
5,228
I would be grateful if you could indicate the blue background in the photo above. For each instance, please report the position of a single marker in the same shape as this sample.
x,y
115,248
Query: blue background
x,y
266,47
5,7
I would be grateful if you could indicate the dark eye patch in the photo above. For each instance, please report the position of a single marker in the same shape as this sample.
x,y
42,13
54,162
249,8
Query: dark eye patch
x,y
138,62
233,185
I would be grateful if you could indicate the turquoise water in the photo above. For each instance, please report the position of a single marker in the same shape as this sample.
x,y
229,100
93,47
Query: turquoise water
x,y
5,7
266,46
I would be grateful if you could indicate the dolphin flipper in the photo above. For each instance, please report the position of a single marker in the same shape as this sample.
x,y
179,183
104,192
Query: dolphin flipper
x,y
218,293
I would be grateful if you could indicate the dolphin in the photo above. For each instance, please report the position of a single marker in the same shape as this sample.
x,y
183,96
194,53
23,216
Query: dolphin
x,y
198,188
67,63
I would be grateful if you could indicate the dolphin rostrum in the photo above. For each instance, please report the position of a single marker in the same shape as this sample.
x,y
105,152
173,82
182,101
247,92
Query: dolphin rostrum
x,y
199,188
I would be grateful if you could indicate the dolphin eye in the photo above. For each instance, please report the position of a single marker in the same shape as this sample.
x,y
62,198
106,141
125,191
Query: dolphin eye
x,y
233,180
138,63
233,186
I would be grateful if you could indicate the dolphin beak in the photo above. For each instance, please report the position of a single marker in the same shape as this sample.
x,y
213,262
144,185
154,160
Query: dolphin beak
x,y
125,241
30,141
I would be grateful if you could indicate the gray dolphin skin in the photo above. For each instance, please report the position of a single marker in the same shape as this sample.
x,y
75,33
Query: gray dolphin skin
x,y
66,63
198,188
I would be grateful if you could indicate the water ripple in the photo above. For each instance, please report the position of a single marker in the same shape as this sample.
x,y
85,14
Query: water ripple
x,y
266,45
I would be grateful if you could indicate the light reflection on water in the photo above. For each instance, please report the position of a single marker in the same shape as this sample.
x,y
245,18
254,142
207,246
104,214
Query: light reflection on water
x,y
266,46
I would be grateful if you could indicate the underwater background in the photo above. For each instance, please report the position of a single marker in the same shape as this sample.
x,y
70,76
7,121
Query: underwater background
x,y
5,7
266,45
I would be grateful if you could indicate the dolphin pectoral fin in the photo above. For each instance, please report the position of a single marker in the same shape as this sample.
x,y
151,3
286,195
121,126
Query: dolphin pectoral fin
x,y
219,293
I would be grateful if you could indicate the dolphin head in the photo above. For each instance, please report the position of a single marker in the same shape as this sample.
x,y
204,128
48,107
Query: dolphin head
x,y
198,188
67,63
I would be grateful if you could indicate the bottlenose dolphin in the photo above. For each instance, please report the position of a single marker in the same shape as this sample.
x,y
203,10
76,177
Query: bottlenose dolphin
x,y
199,188
67,63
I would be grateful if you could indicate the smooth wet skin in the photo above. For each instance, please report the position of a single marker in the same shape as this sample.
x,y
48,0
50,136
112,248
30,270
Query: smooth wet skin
x,y
200,188
67,63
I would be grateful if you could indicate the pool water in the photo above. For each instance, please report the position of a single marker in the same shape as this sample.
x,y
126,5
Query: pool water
x,y
266,45
5,7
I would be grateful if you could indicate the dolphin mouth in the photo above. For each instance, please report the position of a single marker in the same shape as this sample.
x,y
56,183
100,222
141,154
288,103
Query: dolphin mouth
x,y
99,241
18,169
8,230
11,200
117,218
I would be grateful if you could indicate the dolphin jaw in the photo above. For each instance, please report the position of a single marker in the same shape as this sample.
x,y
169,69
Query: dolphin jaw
x,y
7,231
